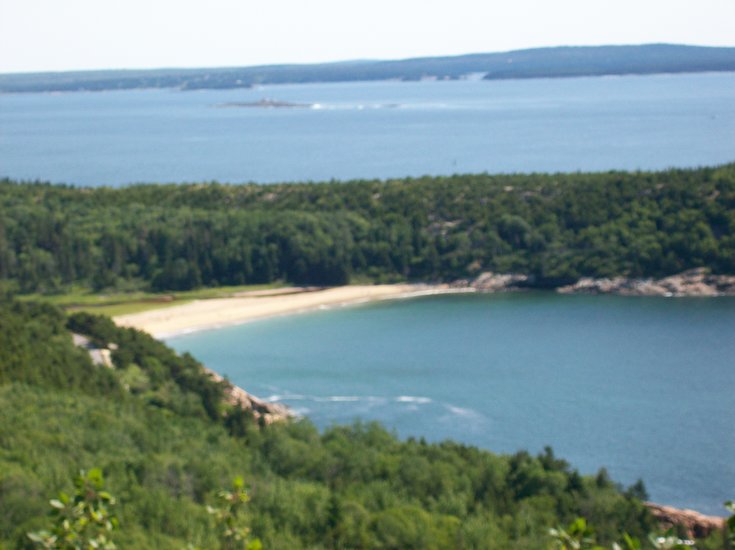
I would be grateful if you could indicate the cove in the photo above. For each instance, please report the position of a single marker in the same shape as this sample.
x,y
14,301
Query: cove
x,y
642,386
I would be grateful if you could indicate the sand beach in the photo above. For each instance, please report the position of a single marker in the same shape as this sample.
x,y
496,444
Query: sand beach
x,y
245,307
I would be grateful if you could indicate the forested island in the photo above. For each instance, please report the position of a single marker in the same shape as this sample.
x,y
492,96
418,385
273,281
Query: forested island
x,y
550,229
530,63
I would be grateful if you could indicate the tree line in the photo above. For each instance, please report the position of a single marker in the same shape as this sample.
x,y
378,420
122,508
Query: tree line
x,y
554,228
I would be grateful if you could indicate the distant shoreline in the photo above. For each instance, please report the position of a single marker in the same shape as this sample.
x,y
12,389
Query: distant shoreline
x,y
697,282
549,62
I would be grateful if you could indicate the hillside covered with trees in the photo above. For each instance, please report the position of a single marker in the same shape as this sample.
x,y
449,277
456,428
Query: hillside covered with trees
x,y
157,426
531,63
554,228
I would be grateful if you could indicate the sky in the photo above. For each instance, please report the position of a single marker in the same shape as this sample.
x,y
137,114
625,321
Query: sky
x,y
59,35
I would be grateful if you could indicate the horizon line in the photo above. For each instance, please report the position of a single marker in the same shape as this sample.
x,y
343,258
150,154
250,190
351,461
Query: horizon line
x,y
349,61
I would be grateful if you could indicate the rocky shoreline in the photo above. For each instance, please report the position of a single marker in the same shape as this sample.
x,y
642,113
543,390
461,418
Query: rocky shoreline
x,y
238,397
694,282
694,524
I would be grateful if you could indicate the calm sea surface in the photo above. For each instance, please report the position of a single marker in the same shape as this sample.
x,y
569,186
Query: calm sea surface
x,y
642,386
370,130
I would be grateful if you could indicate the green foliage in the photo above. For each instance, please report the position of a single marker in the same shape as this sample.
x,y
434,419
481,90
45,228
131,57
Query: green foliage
x,y
578,536
150,369
232,532
629,543
84,520
669,541
36,348
350,487
554,228
730,506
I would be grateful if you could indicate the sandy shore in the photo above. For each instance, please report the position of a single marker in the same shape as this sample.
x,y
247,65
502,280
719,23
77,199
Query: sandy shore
x,y
208,314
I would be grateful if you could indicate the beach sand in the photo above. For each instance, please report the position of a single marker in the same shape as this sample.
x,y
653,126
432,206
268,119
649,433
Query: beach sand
x,y
219,312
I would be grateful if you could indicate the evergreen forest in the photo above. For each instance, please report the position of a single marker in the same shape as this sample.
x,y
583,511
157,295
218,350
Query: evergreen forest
x,y
555,228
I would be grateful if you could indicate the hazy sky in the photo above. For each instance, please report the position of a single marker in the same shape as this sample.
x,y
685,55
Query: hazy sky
x,y
40,35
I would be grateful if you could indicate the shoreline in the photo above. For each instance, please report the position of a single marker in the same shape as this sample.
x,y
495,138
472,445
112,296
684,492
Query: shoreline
x,y
241,308
694,283
217,313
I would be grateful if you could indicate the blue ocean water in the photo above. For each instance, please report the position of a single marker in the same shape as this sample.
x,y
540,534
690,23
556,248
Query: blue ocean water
x,y
642,386
370,130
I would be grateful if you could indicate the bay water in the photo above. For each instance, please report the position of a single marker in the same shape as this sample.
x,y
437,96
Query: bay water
x,y
370,130
644,387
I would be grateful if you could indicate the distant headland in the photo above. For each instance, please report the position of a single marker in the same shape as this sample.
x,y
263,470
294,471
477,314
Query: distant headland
x,y
556,62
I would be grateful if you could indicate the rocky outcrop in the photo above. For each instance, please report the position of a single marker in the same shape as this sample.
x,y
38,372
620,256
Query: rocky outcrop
x,y
492,282
695,282
99,356
236,396
695,525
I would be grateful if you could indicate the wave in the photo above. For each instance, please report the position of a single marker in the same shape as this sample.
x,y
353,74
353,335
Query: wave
x,y
412,399
340,398
277,397
354,106
463,412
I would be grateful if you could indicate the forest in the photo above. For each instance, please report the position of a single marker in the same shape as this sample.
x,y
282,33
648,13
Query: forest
x,y
156,426
554,228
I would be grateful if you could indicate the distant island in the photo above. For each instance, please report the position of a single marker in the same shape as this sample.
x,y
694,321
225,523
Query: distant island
x,y
556,62
268,104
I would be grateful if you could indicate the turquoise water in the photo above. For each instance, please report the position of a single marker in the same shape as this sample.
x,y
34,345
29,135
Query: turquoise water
x,y
370,130
642,386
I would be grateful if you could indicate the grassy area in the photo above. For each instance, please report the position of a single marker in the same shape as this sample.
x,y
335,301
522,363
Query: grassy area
x,y
123,303
127,308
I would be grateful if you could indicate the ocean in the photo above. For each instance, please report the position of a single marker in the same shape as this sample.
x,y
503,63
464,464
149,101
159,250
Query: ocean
x,y
362,130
